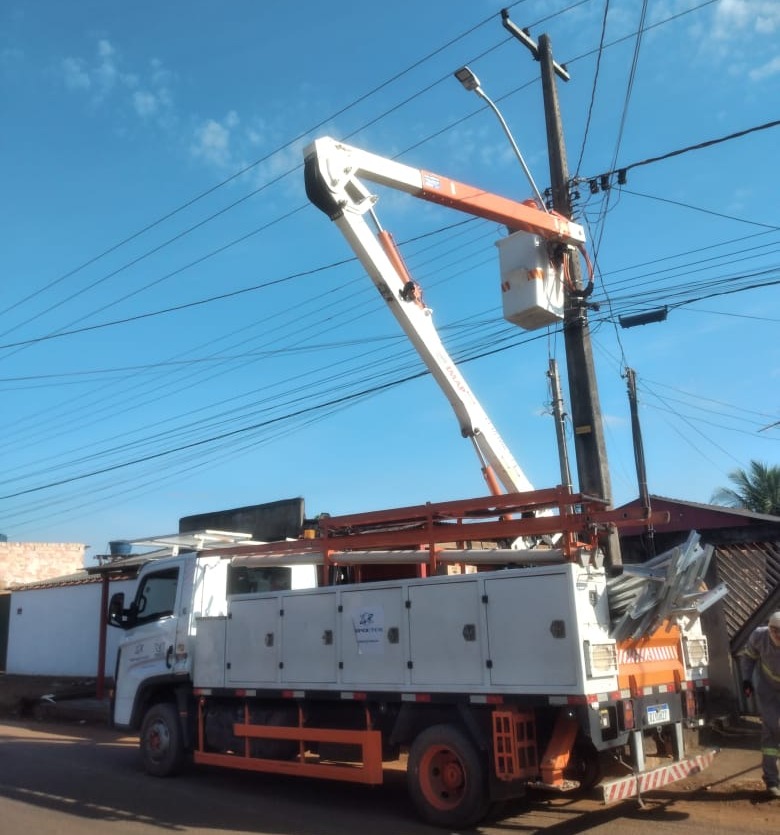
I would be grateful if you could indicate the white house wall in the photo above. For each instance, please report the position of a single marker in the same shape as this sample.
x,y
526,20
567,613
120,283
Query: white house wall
x,y
55,631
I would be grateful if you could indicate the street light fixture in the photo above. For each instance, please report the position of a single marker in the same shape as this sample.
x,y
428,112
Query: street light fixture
x,y
467,78
471,83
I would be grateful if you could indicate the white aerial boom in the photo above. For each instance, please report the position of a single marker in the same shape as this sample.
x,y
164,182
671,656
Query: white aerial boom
x,y
333,173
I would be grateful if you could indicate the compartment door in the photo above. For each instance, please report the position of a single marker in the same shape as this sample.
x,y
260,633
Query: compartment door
x,y
309,638
373,636
445,633
532,634
253,641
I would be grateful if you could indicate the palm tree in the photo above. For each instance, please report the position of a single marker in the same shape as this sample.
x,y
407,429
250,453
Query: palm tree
x,y
757,490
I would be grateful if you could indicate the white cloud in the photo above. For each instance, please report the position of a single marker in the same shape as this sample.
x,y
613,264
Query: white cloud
x,y
761,16
145,103
75,74
254,137
767,70
737,34
105,50
213,140
614,421
160,77
231,143
106,57
147,92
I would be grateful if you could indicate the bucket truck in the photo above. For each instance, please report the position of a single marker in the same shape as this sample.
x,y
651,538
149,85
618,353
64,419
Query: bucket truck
x,y
481,683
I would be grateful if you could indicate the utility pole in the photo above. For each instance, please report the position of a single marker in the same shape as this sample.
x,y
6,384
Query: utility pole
x,y
639,456
560,422
589,446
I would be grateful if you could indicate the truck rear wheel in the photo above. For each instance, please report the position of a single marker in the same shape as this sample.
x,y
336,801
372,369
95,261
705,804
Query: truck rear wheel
x,y
447,777
584,765
162,745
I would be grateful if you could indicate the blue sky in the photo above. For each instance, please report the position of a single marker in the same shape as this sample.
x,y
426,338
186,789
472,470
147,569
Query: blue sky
x,y
152,164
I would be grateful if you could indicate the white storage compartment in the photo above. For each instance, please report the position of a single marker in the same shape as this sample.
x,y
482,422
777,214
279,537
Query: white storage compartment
x,y
208,667
253,640
373,636
531,287
534,645
540,630
309,638
446,633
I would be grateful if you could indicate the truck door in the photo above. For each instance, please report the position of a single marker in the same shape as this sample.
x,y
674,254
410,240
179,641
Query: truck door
x,y
148,648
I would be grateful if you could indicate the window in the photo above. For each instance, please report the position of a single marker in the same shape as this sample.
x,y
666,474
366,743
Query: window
x,y
156,596
246,580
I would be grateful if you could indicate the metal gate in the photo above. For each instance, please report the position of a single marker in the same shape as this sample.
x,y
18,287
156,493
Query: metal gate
x,y
751,570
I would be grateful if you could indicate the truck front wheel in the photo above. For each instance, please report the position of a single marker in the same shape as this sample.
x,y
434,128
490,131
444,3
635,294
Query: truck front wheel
x,y
162,745
447,778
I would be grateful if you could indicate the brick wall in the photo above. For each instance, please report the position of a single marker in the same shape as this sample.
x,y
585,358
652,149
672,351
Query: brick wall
x,y
29,562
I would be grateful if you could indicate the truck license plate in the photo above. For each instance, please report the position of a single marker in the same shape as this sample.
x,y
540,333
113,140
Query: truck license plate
x,y
657,714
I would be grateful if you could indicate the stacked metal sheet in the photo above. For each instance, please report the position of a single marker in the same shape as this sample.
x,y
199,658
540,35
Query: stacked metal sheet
x,y
663,589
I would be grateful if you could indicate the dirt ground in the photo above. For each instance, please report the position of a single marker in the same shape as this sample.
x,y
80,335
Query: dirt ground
x,y
729,793
21,695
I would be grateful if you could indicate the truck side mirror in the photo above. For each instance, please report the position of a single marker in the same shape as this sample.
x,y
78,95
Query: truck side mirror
x,y
116,611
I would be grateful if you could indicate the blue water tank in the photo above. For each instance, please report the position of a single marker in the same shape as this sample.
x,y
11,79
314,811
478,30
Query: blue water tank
x,y
120,548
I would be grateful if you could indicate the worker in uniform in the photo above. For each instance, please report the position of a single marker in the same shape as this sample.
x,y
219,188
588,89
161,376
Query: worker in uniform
x,y
760,663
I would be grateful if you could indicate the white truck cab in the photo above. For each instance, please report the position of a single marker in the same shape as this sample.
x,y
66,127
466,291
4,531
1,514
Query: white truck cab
x,y
160,623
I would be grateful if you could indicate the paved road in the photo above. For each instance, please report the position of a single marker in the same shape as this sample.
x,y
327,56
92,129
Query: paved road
x,y
83,779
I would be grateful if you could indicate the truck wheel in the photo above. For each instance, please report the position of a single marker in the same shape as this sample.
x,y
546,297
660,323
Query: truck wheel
x,y
584,765
162,747
274,749
447,778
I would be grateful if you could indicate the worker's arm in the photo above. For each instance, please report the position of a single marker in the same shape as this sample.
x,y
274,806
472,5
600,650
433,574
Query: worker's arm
x,y
748,659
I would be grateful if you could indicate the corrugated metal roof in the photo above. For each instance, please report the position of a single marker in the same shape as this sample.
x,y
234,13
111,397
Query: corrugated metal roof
x,y
685,515
718,508
76,579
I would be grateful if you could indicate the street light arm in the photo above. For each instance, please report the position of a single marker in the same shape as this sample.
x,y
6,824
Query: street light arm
x,y
483,95
471,83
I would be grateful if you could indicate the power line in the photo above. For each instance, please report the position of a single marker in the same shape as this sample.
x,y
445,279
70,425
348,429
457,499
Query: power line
x,y
179,307
729,279
599,53
733,315
496,347
699,398
604,181
233,433
284,279
211,299
304,397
